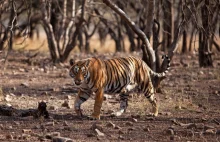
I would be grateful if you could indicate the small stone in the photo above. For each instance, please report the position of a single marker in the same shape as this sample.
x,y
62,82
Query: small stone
x,y
129,124
65,123
26,85
21,69
26,131
209,132
110,124
134,120
146,129
121,137
99,133
201,72
8,98
61,139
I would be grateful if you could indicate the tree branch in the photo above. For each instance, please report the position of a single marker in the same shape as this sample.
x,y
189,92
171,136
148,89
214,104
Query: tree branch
x,y
136,30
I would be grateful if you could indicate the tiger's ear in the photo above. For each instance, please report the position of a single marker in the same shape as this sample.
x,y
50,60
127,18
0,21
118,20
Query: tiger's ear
x,y
72,61
87,63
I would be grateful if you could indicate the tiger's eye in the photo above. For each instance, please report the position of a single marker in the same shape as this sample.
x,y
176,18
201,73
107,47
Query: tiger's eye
x,y
76,69
83,69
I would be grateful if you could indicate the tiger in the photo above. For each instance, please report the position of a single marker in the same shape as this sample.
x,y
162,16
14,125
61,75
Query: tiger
x,y
119,75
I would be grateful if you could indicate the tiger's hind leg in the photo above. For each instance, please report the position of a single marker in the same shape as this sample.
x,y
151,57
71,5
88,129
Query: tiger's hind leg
x,y
154,104
123,104
152,99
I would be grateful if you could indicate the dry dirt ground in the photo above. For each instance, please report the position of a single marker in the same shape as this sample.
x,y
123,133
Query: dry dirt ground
x,y
189,104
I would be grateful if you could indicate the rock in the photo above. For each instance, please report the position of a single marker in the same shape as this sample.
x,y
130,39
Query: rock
x,y
61,139
99,133
110,124
26,130
26,85
66,104
129,124
8,98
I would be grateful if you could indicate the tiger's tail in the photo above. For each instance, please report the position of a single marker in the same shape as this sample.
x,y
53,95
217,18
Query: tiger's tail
x,y
163,74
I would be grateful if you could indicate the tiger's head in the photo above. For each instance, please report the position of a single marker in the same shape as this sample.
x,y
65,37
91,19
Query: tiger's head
x,y
79,71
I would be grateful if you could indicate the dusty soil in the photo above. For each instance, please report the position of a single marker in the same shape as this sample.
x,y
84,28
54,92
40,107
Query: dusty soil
x,y
189,104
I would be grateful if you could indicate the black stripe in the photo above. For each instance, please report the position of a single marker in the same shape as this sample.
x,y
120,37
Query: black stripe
x,y
83,99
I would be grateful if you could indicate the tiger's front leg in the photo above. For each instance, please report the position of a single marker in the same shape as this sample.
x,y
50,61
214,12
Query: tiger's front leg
x,y
98,104
81,98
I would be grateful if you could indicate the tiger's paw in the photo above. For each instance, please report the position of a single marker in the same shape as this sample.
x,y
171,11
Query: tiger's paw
x,y
94,117
79,112
153,114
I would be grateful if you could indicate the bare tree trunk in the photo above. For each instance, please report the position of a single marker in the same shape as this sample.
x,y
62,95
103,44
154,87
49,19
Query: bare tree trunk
x,y
148,29
52,44
205,55
167,23
191,39
184,42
